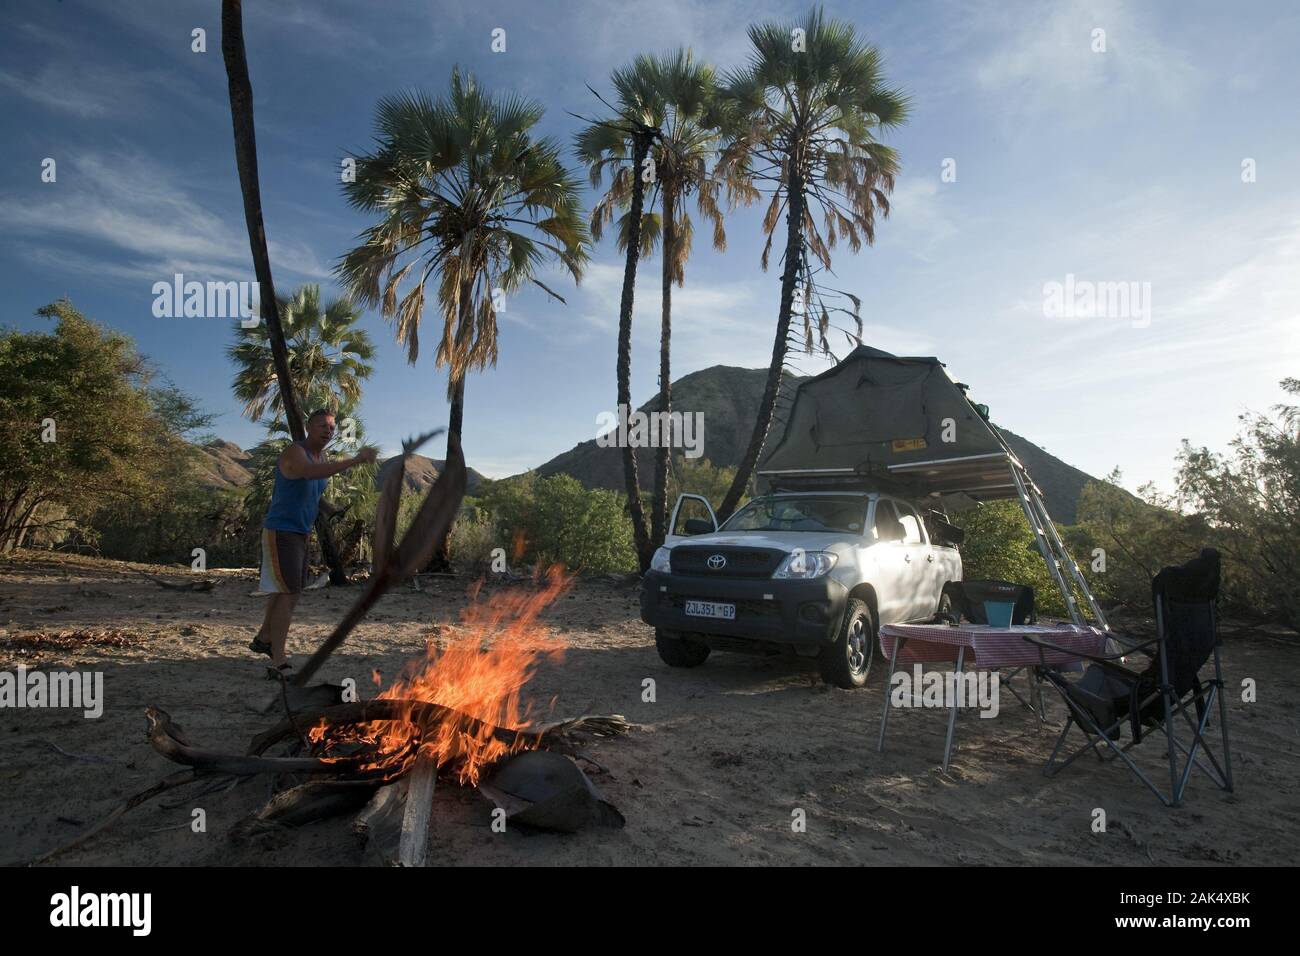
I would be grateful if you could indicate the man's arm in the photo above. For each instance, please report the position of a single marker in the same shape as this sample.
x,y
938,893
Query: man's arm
x,y
294,463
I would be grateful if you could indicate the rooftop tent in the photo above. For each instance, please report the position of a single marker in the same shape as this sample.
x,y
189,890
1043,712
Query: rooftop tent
x,y
896,422
903,425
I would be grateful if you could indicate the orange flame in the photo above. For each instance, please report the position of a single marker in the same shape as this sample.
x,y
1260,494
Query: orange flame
x,y
480,673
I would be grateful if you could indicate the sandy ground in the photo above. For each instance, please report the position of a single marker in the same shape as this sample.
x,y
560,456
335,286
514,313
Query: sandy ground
x,y
712,775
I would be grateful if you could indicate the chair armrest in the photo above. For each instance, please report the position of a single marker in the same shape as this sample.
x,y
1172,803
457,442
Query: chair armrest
x,y
1133,649
1103,659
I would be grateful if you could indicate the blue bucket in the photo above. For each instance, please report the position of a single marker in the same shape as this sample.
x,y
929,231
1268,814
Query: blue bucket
x,y
999,613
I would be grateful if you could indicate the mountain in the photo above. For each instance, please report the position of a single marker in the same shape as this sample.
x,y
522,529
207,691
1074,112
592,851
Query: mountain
x,y
729,397
225,465
421,472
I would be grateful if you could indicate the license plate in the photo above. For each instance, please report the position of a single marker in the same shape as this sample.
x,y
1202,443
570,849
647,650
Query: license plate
x,y
725,612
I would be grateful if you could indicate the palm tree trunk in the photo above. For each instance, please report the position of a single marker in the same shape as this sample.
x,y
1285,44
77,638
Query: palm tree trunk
x,y
440,561
789,279
630,482
241,115
659,507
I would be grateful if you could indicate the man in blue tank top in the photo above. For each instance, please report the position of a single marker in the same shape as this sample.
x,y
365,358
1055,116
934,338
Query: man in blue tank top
x,y
301,475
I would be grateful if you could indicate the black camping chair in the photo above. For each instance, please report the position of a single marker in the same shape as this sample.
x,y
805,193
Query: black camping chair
x,y
1110,695
966,600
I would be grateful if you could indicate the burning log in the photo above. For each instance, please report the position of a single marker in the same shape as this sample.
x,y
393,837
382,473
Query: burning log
x,y
168,739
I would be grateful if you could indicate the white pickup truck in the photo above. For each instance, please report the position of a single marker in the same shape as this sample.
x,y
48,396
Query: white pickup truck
x,y
815,571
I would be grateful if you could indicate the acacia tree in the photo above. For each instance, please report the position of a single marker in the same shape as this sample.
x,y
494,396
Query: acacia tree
x,y
812,99
1251,497
82,427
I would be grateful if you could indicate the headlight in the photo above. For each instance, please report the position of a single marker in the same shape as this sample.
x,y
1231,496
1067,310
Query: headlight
x,y
805,564
660,561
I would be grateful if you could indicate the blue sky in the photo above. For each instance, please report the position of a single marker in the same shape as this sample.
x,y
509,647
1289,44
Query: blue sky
x,y
1115,166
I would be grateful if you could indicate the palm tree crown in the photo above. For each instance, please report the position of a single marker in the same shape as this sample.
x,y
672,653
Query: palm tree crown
x,y
468,194
329,357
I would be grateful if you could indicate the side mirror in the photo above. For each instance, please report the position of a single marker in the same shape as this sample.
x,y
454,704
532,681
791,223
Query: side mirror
x,y
698,526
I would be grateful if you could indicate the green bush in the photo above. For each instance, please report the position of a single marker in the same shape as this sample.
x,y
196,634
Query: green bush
x,y
474,537
1000,545
556,519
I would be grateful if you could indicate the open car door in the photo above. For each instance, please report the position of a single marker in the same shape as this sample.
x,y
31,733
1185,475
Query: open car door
x,y
692,515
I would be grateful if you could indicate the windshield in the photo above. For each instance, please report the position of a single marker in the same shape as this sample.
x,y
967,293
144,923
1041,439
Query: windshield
x,y
812,513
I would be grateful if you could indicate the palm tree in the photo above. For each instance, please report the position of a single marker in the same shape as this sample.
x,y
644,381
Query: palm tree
x,y
670,106
621,145
328,357
470,196
812,102
241,115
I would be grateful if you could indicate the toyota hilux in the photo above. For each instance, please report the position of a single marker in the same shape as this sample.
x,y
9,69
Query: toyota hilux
x,y
815,572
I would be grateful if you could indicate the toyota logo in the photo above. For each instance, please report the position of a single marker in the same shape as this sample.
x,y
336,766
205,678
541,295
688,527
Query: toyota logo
x,y
716,562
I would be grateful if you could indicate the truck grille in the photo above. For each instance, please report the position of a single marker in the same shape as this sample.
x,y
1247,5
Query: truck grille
x,y
736,562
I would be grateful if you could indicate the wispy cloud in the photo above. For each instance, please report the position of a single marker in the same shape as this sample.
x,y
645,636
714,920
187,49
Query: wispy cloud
x,y
1046,62
142,221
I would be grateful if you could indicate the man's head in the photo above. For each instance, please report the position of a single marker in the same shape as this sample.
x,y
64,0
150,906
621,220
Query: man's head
x,y
320,428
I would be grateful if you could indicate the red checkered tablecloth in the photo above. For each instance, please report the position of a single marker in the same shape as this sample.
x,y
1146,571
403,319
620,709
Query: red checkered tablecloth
x,y
989,647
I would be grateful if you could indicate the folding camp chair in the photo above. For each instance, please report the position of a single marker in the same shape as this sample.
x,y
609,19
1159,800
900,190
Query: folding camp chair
x,y
967,602
1109,695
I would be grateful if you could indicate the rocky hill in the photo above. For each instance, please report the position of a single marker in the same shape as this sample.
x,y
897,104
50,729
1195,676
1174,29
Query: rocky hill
x,y
226,465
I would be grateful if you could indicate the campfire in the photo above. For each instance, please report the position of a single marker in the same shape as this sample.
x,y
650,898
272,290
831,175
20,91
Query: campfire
x,y
478,678
458,711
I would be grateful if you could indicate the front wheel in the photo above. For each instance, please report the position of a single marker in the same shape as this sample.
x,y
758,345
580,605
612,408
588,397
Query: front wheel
x,y
677,651
847,662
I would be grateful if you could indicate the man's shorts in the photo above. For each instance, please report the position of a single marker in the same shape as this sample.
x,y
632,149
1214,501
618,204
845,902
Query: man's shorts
x,y
284,561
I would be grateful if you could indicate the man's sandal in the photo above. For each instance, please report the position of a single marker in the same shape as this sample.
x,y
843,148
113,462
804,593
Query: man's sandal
x,y
283,672
259,646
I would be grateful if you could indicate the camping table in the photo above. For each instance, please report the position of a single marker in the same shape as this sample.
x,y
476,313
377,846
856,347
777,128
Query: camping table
x,y
990,648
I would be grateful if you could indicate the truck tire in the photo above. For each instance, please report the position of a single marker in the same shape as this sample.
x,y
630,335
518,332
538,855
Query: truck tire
x,y
847,662
677,651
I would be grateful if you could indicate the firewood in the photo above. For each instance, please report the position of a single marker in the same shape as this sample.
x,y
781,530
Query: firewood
x,y
379,824
413,845
168,739
423,713
303,804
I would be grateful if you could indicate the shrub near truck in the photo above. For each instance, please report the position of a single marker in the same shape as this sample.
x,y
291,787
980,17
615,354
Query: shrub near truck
x,y
816,572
